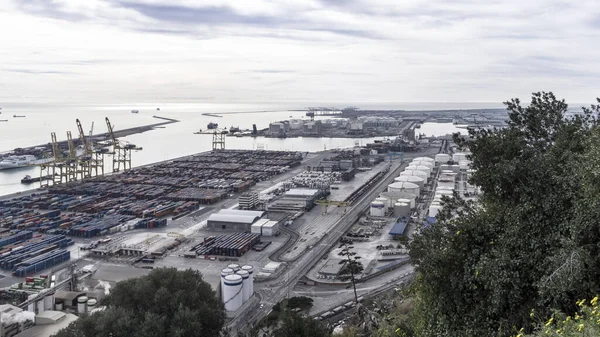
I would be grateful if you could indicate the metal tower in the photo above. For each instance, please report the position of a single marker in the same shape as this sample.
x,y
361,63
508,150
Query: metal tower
x,y
218,140
121,152
92,161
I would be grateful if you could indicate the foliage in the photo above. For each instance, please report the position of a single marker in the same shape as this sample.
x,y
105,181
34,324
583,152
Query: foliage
x,y
585,322
301,302
294,325
166,302
531,240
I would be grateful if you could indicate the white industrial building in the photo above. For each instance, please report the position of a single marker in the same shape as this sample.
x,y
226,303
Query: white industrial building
x,y
248,200
265,227
237,220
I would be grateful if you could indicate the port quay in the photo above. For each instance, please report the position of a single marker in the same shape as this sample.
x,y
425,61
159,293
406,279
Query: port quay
x,y
260,225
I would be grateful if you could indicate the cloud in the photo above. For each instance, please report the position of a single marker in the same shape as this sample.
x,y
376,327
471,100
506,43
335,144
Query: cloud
x,y
38,72
373,50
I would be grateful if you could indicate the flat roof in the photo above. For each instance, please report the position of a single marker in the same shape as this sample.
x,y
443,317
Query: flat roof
x,y
241,212
260,223
398,228
270,224
247,219
305,192
48,329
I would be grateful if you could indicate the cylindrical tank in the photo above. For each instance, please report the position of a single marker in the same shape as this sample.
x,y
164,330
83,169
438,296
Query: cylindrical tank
x,y
419,174
410,201
464,165
245,284
442,158
425,159
447,172
49,301
411,179
434,210
40,306
250,271
455,168
385,201
234,266
404,187
401,210
58,306
232,296
444,192
225,272
419,168
91,304
429,164
82,304
377,208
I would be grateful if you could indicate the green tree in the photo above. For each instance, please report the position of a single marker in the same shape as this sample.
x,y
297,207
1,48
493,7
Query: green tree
x,y
166,302
294,325
352,268
525,245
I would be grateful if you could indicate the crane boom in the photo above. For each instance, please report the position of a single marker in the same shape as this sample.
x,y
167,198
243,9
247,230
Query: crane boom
x,y
111,133
86,145
72,154
55,151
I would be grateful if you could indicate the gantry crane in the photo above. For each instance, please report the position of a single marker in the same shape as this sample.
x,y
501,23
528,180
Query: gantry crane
x,y
326,203
60,170
73,169
121,151
92,160
218,138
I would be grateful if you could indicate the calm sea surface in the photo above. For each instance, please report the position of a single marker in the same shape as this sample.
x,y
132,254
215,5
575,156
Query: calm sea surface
x,y
178,139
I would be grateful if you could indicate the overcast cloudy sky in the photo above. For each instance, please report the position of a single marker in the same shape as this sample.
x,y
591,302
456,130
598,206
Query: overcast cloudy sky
x,y
298,50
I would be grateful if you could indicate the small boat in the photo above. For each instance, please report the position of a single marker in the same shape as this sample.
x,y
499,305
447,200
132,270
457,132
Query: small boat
x,y
135,111
157,109
18,116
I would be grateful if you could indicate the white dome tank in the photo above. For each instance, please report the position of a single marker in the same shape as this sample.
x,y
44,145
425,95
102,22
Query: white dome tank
x,y
442,158
411,179
250,271
82,305
457,157
416,173
401,210
232,296
409,201
377,209
234,266
419,168
245,284
225,272
405,187
429,164
425,159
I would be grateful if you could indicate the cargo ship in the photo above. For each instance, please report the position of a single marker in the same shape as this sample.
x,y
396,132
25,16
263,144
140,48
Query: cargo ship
x,y
212,126
12,162
135,111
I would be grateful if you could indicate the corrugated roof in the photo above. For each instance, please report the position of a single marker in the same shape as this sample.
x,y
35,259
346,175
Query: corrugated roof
x,y
247,219
398,228
302,191
241,212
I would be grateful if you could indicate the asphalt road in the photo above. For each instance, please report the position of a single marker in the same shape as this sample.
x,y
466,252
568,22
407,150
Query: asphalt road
x,y
276,290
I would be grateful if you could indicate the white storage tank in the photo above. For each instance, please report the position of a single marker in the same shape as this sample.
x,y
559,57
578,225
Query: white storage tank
x,y
455,168
419,174
82,305
232,294
411,202
58,305
91,304
405,187
420,168
434,210
442,158
444,192
425,159
411,179
429,164
225,272
234,266
250,271
386,201
377,208
464,165
245,284
401,210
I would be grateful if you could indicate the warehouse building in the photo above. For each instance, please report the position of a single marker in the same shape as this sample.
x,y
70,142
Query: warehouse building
x,y
248,200
296,199
235,220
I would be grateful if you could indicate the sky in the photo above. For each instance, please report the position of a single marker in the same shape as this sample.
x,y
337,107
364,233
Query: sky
x,y
297,50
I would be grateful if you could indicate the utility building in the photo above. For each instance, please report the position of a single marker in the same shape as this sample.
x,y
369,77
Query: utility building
x,y
234,220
